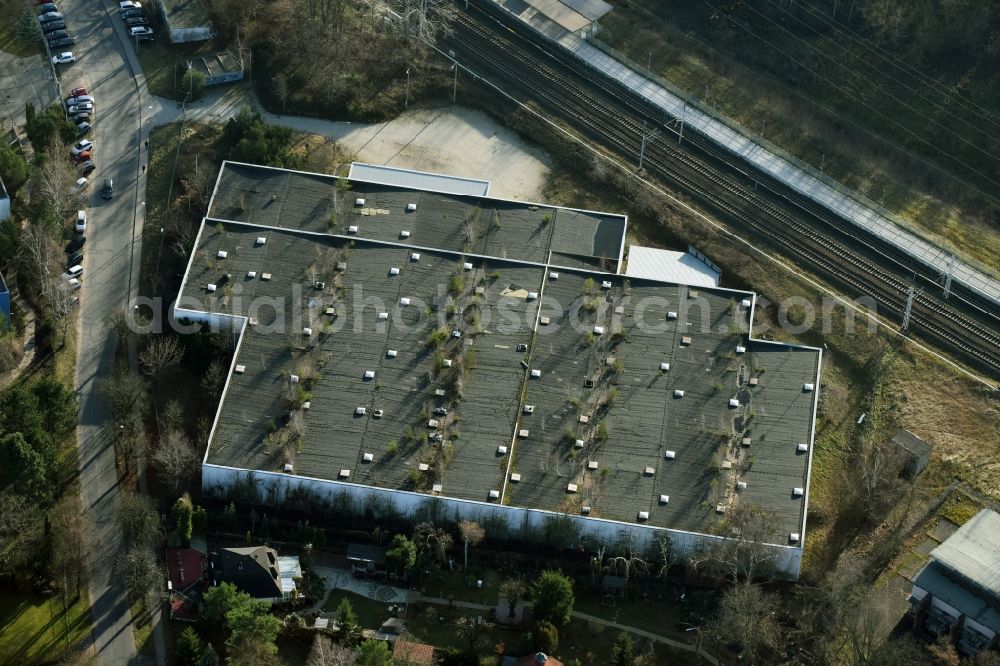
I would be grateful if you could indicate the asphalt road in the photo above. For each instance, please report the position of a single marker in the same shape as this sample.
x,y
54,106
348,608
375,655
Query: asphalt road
x,y
109,69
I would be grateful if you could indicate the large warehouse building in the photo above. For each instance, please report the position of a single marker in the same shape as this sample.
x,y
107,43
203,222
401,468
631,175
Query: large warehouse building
x,y
408,351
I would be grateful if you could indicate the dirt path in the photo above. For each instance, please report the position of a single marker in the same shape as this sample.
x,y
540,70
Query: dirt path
x,y
28,346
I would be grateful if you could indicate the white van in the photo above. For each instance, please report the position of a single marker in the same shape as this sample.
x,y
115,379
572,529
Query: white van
x,y
75,271
81,221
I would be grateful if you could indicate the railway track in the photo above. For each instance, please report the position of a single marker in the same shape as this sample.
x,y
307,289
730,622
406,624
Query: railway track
x,y
605,114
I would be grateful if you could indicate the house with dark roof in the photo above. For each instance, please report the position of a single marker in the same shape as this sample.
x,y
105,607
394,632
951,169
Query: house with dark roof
x,y
256,570
957,593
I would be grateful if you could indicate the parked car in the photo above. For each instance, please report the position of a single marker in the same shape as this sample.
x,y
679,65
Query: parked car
x,y
75,271
132,13
48,17
145,39
141,31
83,128
74,259
79,99
128,4
81,146
86,167
56,34
41,2
63,58
86,107
81,217
76,92
76,244
79,186
81,158
81,117
108,189
53,26
47,7
59,43
136,21
73,283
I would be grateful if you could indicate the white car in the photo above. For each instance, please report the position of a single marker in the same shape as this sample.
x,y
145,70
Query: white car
x,y
64,58
81,220
70,101
80,185
140,31
86,107
81,146
128,4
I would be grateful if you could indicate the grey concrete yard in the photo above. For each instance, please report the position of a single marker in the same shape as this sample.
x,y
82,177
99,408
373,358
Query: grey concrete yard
x,y
24,80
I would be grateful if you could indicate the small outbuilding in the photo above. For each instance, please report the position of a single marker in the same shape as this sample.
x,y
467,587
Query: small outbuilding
x,y
914,452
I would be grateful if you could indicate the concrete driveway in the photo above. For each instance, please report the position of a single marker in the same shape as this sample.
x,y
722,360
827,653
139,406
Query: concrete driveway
x,y
107,66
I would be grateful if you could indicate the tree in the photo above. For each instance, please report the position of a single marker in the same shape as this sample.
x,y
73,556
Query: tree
x,y
347,620
374,653
20,532
432,541
193,82
182,518
252,620
137,569
546,637
174,460
138,519
744,553
472,535
401,554
209,657
189,647
747,616
217,601
24,469
12,165
622,653
325,652
67,565
160,357
253,652
124,392
552,598
28,31
474,631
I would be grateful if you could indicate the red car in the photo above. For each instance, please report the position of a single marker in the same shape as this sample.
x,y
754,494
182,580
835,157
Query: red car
x,y
81,158
76,92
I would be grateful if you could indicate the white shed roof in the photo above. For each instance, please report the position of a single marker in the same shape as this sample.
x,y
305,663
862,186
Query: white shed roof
x,y
418,180
669,266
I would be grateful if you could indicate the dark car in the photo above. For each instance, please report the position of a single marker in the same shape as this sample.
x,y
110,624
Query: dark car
x,y
59,43
74,245
74,259
56,34
145,39
53,26
86,167
83,128
50,17
108,189
132,13
136,21
47,7
80,118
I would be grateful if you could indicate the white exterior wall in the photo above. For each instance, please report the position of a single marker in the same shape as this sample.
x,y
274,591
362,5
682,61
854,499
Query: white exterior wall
x,y
273,487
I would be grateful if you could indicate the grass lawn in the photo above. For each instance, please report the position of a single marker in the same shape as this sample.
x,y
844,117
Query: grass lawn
x,y
462,587
371,614
9,40
160,59
36,630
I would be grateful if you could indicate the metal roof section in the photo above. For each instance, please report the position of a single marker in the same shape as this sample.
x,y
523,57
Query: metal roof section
x,y
934,578
670,266
973,552
418,180
805,180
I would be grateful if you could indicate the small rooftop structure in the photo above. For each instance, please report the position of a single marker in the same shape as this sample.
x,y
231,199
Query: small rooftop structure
x,y
219,68
418,180
690,268
915,452
186,20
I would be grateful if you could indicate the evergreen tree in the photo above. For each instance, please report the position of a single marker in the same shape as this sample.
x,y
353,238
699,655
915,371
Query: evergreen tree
x,y
622,655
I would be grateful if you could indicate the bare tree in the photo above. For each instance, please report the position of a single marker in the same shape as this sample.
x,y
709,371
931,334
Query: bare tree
x,y
138,520
174,460
53,183
747,616
161,355
213,379
474,630
138,570
20,531
67,550
744,552
425,20
873,481
433,540
472,535
124,392
325,652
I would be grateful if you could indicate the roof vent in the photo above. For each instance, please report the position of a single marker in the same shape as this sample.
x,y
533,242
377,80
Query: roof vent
x,y
536,373
584,418
320,285
353,229
669,455
544,321
515,477
693,294
664,499
529,409
210,287
593,464
522,347
307,331
523,434
745,441
501,450
797,492
802,447
265,277
553,275
649,471
685,339
585,510
433,423
532,295
423,467
467,266
807,387
294,379
369,374
393,271
571,488
344,473
415,256
720,508
261,240
288,468
411,207
733,402
494,494
598,330
360,411
745,303
606,284
578,444
404,234
368,457
391,353
378,413
306,405
678,393
240,368
404,301
727,464
341,266
251,275
456,333
382,316
480,291
753,381
359,202
439,392
330,311
740,349
446,363
794,537
222,254
741,485
436,488
664,366
643,515
609,360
